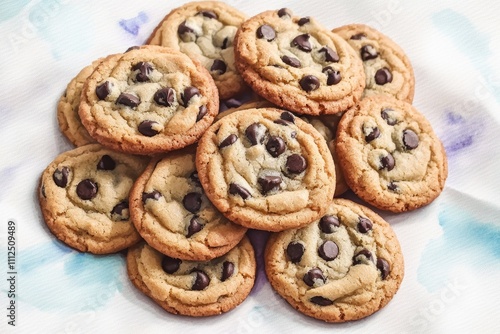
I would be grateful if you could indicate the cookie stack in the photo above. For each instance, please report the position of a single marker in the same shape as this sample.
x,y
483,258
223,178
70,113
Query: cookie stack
x,y
223,123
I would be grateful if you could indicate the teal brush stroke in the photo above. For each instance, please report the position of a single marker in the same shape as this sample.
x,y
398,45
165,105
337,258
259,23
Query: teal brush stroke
x,y
10,8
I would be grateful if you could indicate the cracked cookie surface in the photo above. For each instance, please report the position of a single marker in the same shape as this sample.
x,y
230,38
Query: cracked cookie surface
x,y
390,155
297,64
148,100
387,68
171,212
190,287
266,169
205,30
344,266
84,198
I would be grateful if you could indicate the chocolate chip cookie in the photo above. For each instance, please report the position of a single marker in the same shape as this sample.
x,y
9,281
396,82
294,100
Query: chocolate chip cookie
x,y
297,64
344,266
266,169
390,155
67,108
84,195
387,68
193,288
205,31
171,212
148,100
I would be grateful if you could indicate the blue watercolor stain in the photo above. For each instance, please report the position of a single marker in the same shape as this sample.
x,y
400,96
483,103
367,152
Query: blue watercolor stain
x,y
57,278
466,241
470,41
10,8
133,25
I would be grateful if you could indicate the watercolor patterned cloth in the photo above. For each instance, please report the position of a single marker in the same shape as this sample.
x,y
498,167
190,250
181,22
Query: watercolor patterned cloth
x,y
451,247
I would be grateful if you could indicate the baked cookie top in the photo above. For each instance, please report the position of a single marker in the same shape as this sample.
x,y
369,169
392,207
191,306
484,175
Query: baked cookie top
x,y
297,64
193,288
148,100
266,169
387,68
84,198
390,155
67,108
344,266
205,31
171,212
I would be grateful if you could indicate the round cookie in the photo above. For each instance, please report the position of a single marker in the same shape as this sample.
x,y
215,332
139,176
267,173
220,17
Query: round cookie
x,y
67,108
266,169
298,64
148,100
193,288
171,212
205,31
390,155
344,266
387,68
84,198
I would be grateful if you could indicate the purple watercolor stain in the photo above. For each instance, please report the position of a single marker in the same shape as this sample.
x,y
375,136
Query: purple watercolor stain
x,y
460,132
259,240
133,25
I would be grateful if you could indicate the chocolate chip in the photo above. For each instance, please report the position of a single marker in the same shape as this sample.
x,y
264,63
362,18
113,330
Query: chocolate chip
x,y
236,189
183,29
267,32
103,90
60,177
135,47
154,195
328,224
269,182
410,139
147,128
86,189
313,276
328,251
387,162
303,20
374,134
202,111
281,122
283,12
194,177
293,134
256,133
287,116
144,69
309,83
128,99
106,163
170,265
362,257
302,42
294,62
230,140
295,250
333,76
393,186
385,115
192,202
330,55
225,43
165,96
383,76
218,66
321,301
275,146
121,210
364,225
368,52
208,13
201,281
195,226
233,103
189,92
384,267
358,36
227,270
296,164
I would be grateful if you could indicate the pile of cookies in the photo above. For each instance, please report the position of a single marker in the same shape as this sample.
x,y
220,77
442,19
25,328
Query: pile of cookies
x,y
222,123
